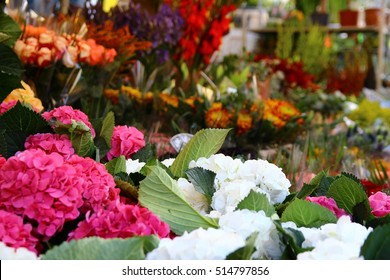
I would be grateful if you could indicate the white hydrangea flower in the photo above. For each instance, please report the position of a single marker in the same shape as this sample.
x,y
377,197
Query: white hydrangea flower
x,y
245,222
228,196
168,162
194,198
268,177
200,244
224,166
9,253
342,240
134,166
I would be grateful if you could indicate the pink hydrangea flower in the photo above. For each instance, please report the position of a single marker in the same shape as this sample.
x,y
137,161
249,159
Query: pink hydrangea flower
x,y
380,204
66,114
50,143
126,140
42,187
120,221
14,233
99,188
2,161
5,106
328,203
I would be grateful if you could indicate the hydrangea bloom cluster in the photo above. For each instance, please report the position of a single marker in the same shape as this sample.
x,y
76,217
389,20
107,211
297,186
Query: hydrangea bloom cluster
x,y
42,187
235,179
120,220
99,186
328,203
15,234
339,241
50,143
245,222
380,204
200,244
126,140
65,115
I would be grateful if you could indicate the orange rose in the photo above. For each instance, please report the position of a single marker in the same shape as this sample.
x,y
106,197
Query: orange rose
x,y
44,57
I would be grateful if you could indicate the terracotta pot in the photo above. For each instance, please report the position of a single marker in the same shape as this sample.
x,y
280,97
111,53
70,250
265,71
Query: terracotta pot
x,y
348,17
372,16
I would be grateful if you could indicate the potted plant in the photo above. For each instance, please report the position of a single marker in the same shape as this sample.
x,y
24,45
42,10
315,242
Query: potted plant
x,y
349,16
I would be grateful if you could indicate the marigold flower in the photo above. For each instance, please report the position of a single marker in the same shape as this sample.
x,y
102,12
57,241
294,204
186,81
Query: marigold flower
x,y
120,221
279,112
217,116
112,95
14,233
170,100
244,122
132,93
126,140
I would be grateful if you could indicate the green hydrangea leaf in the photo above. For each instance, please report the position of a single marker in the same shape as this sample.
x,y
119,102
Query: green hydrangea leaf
x,y
160,194
257,202
204,143
17,124
9,30
377,244
203,181
96,248
307,214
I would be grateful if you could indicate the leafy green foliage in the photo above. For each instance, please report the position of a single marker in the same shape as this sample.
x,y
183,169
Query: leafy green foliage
x,y
307,214
245,253
257,202
145,154
293,240
116,165
9,30
203,181
80,135
377,244
347,193
10,71
204,144
104,128
161,195
96,248
16,125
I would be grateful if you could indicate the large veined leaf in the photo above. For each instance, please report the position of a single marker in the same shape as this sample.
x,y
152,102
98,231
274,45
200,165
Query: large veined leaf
x,y
293,239
116,165
377,244
161,195
104,128
80,135
246,252
203,181
203,144
96,248
307,214
347,193
10,30
10,71
17,124
257,202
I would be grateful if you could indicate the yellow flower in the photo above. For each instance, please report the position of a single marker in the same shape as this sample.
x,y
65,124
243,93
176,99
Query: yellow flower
x,y
217,116
132,93
170,99
192,99
25,95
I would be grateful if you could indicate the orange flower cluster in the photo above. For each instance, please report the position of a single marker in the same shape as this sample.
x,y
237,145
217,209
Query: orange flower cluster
x,y
279,112
218,116
132,93
120,39
169,99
